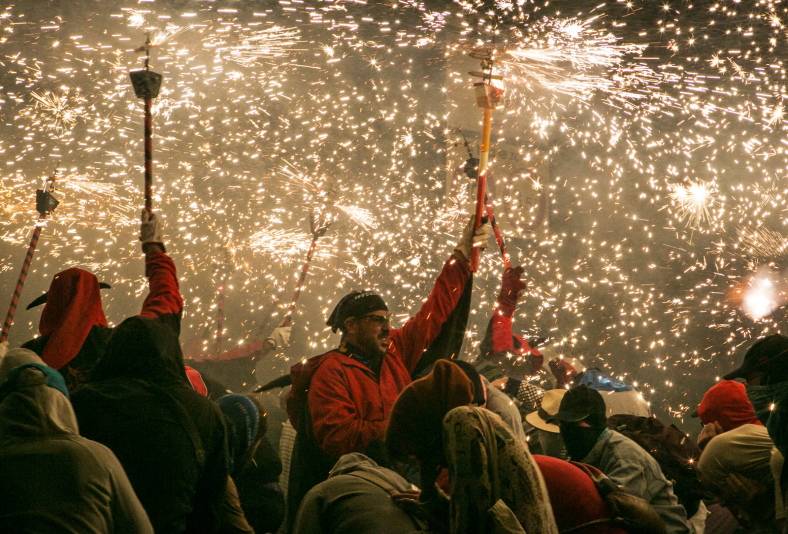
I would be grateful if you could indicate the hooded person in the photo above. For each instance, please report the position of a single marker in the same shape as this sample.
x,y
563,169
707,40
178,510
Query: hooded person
x,y
246,424
492,475
583,426
355,498
169,438
501,348
340,401
723,408
765,372
745,456
51,478
73,328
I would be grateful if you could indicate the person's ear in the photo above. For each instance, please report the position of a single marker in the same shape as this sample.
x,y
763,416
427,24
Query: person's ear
x,y
351,326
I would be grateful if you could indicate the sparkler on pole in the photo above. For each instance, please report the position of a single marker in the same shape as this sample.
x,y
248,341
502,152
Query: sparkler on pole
x,y
487,97
146,85
319,228
471,169
45,203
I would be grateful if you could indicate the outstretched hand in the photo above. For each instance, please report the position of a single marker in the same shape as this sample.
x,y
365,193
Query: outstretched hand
x,y
511,286
563,372
472,238
150,233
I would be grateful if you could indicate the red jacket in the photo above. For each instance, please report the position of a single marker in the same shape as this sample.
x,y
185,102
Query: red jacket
x,y
349,406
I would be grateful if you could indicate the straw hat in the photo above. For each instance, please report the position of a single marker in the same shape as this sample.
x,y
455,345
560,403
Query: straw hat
x,y
550,404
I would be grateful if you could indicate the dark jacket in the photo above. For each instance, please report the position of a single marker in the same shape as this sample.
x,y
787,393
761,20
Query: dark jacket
x,y
53,480
170,439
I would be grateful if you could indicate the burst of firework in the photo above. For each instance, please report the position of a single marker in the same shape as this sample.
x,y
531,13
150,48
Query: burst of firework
x,y
694,201
58,112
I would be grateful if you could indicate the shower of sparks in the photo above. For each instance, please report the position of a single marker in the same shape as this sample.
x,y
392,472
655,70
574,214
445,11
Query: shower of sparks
x,y
638,165
762,243
258,47
57,112
694,200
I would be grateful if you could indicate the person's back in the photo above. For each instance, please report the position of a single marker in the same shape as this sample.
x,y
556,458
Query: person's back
x,y
630,466
52,479
349,503
170,439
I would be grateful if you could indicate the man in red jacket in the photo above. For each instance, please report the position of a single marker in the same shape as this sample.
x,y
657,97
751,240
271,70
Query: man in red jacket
x,y
343,398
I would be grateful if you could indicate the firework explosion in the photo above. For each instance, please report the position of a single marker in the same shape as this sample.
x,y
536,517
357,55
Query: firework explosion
x,y
637,163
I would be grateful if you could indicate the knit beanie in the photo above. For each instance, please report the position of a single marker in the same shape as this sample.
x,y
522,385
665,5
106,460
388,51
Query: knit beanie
x,y
242,417
416,419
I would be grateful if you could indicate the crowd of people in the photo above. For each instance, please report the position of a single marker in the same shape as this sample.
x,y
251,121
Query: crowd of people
x,y
108,430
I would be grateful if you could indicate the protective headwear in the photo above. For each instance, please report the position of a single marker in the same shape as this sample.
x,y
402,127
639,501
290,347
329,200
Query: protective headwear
x,y
16,361
242,417
73,307
727,404
355,304
417,416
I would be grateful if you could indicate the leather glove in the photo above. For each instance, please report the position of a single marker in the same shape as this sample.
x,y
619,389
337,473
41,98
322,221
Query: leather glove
x,y
472,238
563,373
634,514
150,231
280,337
511,285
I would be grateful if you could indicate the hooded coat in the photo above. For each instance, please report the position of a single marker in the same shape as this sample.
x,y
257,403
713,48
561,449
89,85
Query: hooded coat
x,y
346,503
51,479
170,439
73,328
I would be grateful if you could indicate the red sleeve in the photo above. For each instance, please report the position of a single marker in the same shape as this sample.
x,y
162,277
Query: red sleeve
x,y
164,296
502,333
421,330
336,421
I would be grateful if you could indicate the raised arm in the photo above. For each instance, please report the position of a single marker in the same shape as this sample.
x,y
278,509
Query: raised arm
x,y
164,297
421,330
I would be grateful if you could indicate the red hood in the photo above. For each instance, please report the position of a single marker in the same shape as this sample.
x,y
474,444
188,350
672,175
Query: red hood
x,y
73,307
727,403
301,375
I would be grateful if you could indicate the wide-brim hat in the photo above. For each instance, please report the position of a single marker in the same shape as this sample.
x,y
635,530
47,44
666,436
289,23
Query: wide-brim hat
x,y
549,407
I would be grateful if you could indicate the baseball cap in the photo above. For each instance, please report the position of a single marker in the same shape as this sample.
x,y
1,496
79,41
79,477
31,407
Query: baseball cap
x,y
761,354
578,404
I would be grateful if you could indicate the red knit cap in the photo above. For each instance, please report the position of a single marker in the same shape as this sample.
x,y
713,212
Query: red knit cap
x,y
727,404
417,417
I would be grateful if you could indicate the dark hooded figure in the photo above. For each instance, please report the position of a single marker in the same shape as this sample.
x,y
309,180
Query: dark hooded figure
x,y
73,328
170,439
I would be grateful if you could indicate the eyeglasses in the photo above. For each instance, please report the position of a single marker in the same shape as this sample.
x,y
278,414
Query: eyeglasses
x,y
379,320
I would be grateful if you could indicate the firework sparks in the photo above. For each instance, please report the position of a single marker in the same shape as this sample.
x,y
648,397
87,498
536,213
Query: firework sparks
x,y
695,201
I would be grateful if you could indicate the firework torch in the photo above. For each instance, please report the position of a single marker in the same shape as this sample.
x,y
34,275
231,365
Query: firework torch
x,y
471,169
45,203
487,97
146,85
319,229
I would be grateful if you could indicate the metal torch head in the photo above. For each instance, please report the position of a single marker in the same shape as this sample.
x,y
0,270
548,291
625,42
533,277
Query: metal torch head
x,y
487,96
146,83
45,202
